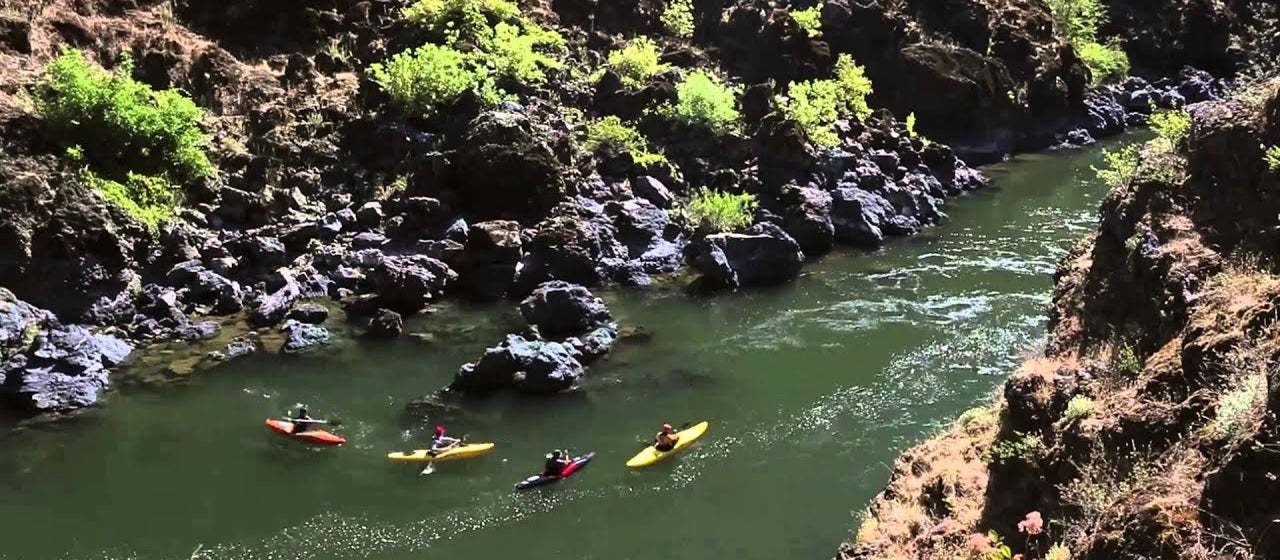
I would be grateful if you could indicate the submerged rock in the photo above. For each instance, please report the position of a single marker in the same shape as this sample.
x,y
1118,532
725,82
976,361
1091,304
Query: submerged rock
x,y
385,324
528,366
560,308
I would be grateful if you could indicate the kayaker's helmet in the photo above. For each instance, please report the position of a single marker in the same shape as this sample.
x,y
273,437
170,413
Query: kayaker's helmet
x,y
554,455
667,428
439,430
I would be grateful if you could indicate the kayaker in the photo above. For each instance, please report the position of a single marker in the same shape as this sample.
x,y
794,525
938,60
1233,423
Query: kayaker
x,y
556,462
302,421
666,439
441,442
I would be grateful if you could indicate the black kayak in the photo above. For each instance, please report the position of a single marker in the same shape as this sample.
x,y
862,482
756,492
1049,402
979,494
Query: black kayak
x,y
541,479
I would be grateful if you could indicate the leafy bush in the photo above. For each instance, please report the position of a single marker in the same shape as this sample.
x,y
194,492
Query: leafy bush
x,y
1239,406
816,105
1021,449
521,52
637,63
1105,62
1121,166
1126,364
809,20
719,211
1078,22
1078,408
1171,127
678,18
1273,158
118,125
424,79
455,20
704,100
135,142
611,132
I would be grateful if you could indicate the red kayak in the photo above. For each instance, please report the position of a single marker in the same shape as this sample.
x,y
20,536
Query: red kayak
x,y
312,435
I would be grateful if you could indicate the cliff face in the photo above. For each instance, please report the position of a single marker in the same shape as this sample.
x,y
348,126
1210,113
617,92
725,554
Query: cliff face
x,y
1148,429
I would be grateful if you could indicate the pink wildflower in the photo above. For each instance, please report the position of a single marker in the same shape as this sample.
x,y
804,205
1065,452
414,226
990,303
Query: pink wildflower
x,y
977,542
1032,524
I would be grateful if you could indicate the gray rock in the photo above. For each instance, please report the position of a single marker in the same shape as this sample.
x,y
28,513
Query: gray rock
x,y
858,216
536,367
385,324
407,284
301,337
310,313
652,190
763,255
560,308
369,215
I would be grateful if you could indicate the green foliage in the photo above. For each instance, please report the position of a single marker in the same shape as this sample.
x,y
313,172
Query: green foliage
x,y
1239,406
1171,128
1272,158
460,20
816,105
119,125
423,80
704,100
677,19
1121,166
1078,408
147,198
1126,364
995,548
1022,448
521,52
719,211
809,20
637,63
134,142
1078,22
1105,62
611,132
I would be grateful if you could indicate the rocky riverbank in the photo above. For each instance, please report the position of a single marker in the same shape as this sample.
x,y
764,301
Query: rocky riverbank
x,y
324,191
1147,429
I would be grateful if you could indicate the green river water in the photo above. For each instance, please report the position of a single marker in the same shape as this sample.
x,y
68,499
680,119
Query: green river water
x,y
811,390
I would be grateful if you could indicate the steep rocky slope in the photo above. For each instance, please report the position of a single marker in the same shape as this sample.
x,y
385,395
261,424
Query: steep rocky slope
x,y
1148,428
324,188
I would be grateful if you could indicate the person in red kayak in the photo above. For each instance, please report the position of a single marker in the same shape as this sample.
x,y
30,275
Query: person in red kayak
x,y
556,462
441,443
666,439
302,421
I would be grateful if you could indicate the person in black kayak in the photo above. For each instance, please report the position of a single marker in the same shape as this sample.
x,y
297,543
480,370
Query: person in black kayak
x,y
666,439
556,462
441,443
302,421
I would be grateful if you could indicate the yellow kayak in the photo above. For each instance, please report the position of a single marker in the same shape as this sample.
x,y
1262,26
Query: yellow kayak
x,y
651,455
464,451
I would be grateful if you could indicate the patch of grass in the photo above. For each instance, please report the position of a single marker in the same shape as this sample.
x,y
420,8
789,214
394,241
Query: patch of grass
x,y
1078,408
677,19
867,528
718,211
611,132
1120,166
637,63
1240,407
816,105
1058,552
1272,158
704,100
136,144
423,80
1023,449
1126,364
809,20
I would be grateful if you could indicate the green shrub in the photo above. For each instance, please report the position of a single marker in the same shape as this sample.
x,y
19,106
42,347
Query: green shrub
x,y
1121,166
455,20
425,79
704,100
1126,364
149,199
1105,62
809,20
1078,408
1171,128
611,132
637,63
678,18
521,52
1239,407
136,144
118,125
816,105
1022,448
1273,158
719,211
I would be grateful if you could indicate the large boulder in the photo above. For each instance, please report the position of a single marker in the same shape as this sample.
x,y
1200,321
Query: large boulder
x,y
806,217
206,288
560,308
310,313
408,283
761,256
301,337
269,309
858,216
507,167
595,344
487,267
384,324
529,366
569,246
47,367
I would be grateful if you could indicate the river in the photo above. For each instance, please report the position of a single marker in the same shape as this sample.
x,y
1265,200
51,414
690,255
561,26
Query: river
x,y
811,390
